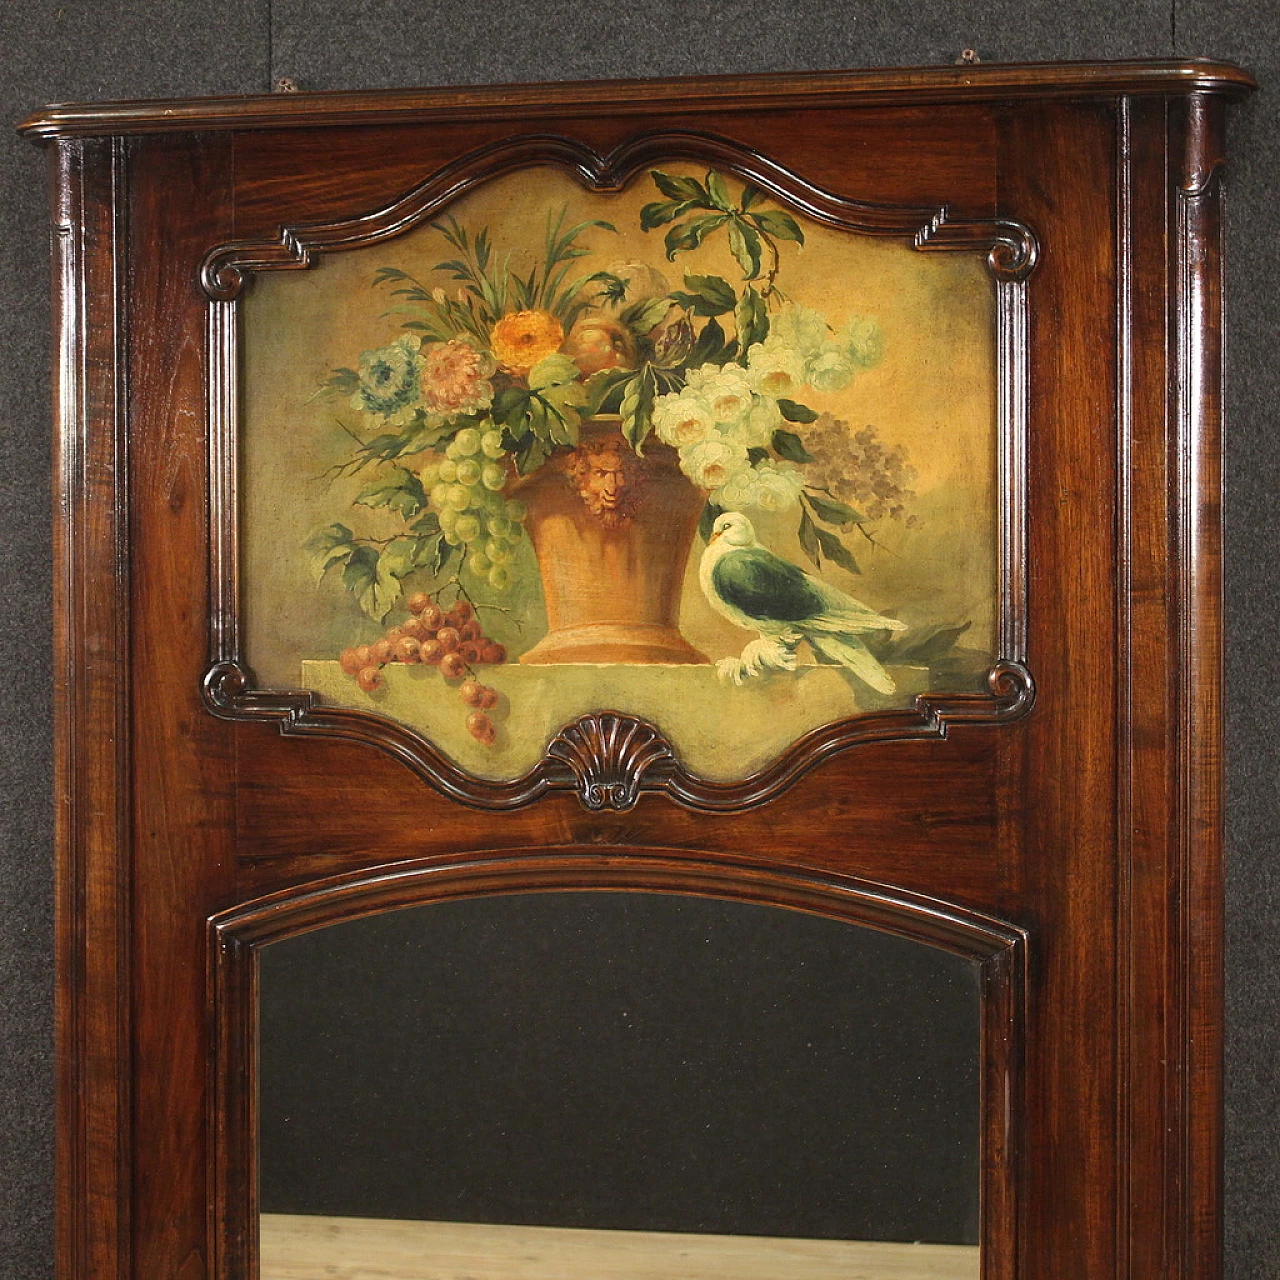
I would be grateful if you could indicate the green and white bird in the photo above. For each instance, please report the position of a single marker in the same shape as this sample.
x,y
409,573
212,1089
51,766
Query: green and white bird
x,y
760,591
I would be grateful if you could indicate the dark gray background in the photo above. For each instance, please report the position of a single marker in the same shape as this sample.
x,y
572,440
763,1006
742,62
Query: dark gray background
x,y
84,49
536,1059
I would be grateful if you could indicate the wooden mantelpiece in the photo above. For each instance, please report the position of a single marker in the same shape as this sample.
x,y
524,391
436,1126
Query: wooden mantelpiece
x,y
1060,826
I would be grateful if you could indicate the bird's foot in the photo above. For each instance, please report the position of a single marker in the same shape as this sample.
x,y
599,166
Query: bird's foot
x,y
759,657
732,669
769,655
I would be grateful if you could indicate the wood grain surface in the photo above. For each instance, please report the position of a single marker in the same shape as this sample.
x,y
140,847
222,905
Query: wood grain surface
x,y
1074,850
299,1247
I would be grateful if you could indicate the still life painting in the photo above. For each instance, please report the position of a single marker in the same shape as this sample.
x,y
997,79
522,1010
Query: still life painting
x,y
677,451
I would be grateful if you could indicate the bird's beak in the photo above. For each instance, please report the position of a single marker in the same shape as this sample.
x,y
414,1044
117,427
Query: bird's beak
x,y
715,535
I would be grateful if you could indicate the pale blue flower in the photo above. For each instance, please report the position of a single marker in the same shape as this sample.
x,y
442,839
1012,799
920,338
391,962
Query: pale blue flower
x,y
390,381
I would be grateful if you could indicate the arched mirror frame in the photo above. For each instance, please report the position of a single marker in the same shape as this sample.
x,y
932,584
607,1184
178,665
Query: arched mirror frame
x,y
235,937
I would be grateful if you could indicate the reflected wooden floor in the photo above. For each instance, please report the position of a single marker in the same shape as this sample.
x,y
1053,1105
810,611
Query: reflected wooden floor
x,y
316,1248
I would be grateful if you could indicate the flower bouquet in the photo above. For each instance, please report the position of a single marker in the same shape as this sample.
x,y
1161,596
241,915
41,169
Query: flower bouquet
x,y
597,383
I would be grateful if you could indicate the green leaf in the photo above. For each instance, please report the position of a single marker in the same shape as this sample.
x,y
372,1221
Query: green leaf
x,y
794,412
418,435
744,241
555,409
718,190
751,195
689,235
752,321
756,456
552,371
678,188
707,295
438,556
532,454
509,410
637,408
711,347
660,212
615,287
835,550
600,387
400,557
788,445
710,514
833,512
399,489
643,317
371,582
328,547
809,539
426,524
782,226
343,381
561,423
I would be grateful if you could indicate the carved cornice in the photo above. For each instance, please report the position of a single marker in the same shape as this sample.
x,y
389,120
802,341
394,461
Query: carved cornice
x,y
988,82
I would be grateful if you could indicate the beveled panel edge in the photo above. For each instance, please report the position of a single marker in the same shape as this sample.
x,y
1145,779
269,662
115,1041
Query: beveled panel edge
x,y
926,85
234,935
586,755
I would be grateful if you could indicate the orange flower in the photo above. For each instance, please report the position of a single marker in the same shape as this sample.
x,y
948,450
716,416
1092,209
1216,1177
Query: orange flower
x,y
522,338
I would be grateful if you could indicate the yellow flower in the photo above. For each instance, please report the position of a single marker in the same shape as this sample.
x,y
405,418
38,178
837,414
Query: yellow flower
x,y
522,338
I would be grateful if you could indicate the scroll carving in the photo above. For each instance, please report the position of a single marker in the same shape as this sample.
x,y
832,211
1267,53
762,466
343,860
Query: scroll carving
x,y
1012,247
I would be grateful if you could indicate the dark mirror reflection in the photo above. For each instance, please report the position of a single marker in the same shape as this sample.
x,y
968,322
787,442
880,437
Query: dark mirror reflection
x,y
616,1085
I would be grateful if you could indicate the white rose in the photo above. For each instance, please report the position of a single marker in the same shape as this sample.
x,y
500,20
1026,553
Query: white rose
x,y
770,486
711,462
696,381
729,395
777,486
754,430
801,329
681,419
737,492
863,342
775,370
830,370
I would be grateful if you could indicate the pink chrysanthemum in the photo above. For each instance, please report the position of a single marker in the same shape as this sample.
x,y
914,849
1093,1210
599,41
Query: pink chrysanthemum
x,y
455,379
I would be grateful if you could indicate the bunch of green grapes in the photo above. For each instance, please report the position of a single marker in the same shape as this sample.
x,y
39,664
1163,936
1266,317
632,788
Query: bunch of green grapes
x,y
465,488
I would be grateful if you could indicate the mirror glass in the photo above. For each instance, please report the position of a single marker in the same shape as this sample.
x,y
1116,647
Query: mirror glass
x,y
615,1086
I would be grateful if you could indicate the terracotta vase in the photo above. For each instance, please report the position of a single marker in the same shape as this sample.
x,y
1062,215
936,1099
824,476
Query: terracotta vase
x,y
612,533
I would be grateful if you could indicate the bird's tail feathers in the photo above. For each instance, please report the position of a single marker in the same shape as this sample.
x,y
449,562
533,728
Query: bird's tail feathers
x,y
850,652
849,620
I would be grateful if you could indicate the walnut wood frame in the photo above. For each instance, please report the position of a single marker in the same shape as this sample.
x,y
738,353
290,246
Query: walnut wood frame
x,y
1075,851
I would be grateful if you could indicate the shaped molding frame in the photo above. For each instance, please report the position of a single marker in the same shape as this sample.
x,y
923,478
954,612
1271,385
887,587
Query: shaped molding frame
x,y
235,936
611,758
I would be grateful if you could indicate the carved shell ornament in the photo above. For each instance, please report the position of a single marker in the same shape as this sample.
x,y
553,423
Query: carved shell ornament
x,y
609,755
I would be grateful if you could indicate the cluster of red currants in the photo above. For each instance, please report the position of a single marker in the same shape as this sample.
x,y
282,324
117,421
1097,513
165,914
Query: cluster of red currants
x,y
449,639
